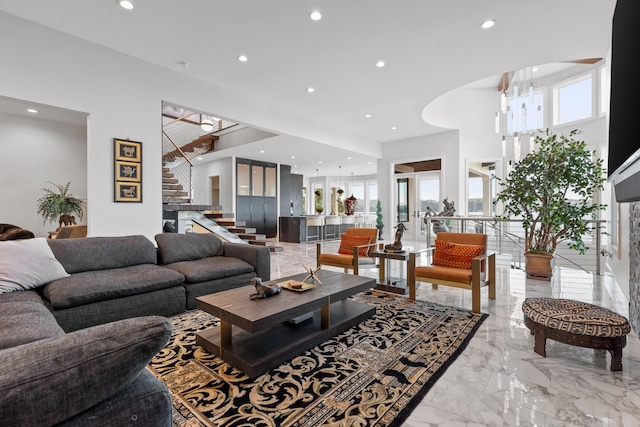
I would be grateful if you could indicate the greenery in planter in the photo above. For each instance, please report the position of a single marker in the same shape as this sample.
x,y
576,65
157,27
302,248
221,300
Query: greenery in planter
x,y
318,200
537,189
54,204
379,222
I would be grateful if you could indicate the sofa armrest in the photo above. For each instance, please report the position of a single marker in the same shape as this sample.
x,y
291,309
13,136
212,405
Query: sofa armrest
x,y
48,381
258,256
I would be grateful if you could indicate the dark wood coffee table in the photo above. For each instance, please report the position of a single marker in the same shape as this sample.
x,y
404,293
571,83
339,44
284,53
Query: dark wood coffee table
x,y
257,335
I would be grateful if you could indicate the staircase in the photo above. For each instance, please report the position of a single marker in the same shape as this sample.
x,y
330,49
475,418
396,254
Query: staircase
x,y
172,191
240,229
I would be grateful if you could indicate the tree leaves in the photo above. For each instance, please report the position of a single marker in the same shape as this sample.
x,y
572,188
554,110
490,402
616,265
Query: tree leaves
x,y
538,188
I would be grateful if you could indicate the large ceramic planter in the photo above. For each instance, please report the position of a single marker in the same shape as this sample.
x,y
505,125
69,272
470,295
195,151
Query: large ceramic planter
x,y
538,266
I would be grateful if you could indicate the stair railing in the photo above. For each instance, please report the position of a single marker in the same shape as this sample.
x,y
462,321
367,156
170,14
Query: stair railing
x,y
177,161
506,237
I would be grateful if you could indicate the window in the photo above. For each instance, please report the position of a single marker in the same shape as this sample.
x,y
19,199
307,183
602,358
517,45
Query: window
x,y
573,100
373,197
358,192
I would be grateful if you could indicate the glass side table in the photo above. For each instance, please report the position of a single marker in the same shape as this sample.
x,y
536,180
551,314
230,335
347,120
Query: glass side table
x,y
386,282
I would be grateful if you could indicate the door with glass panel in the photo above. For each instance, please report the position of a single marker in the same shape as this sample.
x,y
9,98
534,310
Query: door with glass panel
x,y
256,199
414,194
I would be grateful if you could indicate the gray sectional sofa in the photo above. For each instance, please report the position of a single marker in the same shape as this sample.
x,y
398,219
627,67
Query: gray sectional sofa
x,y
75,342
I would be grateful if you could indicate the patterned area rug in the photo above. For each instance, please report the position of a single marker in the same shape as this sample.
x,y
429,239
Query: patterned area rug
x,y
374,374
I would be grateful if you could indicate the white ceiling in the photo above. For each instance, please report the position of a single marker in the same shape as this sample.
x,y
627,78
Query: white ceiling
x,y
430,47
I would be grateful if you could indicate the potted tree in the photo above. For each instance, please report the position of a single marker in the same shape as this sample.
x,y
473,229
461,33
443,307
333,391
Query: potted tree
x,y
379,223
58,206
551,191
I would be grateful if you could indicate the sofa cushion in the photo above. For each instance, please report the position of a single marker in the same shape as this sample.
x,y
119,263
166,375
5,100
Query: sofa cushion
x,y
27,264
24,322
211,268
174,247
48,381
93,286
347,243
103,253
22,296
455,255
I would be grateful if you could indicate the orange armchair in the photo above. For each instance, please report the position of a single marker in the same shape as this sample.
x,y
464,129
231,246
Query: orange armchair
x,y
460,260
353,253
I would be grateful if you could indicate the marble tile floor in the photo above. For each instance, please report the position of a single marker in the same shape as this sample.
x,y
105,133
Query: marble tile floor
x,y
498,380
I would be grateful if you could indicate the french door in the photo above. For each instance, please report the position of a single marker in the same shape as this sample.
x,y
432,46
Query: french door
x,y
414,192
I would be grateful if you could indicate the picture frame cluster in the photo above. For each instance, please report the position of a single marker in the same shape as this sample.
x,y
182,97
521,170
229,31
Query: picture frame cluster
x,y
128,171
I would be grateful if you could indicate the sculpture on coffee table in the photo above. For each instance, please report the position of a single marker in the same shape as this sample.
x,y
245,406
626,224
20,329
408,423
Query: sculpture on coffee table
x,y
263,290
396,246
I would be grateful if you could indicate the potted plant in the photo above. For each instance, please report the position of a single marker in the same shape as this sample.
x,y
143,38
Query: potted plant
x,y
379,223
551,191
318,201
54,205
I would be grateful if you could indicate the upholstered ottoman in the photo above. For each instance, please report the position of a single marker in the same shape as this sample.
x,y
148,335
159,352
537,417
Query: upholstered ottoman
x,y
576,323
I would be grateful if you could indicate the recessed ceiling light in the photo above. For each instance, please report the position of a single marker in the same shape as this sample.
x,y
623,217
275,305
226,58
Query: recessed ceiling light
x,y
393,128
199,157
262,151
367,115
348,158
293,157
125,4
380,64
243,58
315,15
310,90
31,110
488,23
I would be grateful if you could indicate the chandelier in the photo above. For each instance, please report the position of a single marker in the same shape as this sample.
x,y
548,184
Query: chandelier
x,y
520,110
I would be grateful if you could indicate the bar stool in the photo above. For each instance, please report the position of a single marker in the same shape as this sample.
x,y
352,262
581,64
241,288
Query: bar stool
x,y
330,224
316,222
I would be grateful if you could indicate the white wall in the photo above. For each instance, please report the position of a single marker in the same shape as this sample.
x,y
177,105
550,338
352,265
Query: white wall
x,y
202,183
34,153
123,97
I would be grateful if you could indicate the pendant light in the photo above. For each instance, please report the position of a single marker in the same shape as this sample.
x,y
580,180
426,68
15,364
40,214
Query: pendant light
x,y
340,190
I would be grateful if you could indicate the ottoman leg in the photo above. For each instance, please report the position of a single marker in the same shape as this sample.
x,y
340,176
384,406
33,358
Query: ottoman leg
x,y
616,359
540,340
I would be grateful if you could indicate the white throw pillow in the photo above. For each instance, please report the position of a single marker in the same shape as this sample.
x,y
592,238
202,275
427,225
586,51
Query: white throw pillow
x,y
27,264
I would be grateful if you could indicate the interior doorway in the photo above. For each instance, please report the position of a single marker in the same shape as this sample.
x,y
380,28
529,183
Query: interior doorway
x,y
215,190
481,187
417,187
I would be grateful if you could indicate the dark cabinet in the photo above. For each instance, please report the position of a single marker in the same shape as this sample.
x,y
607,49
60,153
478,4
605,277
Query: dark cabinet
x,y
257,196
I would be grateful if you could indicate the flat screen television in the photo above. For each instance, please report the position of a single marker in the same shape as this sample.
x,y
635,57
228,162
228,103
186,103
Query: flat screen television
x,y
623,167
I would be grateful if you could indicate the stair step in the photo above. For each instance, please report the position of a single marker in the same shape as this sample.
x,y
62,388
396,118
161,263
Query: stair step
x,y
172,187
226,223
262,242
241,230
169,181
174,193
252,236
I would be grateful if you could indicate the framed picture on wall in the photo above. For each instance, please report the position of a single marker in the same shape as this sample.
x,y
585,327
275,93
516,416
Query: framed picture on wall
x,y
128,150
128,192
128,171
